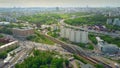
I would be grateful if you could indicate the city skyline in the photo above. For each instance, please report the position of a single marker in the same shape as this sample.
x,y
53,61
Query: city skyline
x,y
59,3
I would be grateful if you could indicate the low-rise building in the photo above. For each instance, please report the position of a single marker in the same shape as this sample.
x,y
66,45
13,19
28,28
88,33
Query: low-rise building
x,y
4,23
54,27
44,26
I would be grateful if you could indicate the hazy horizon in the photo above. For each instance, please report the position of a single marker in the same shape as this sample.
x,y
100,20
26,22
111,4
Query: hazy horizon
x,y
59,3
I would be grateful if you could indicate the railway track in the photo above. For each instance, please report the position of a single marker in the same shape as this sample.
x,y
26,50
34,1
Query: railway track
x,y
95,61
14,60
75,51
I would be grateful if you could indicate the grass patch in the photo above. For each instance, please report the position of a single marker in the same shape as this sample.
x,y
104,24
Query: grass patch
x,y
64,39
3,54
106,38
99,66
80,59
92,38
39,38
1,36
85,46
53,34
1,43
90,46
111,40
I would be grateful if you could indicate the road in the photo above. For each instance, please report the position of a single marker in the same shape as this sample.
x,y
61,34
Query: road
x,y
112,63
94,31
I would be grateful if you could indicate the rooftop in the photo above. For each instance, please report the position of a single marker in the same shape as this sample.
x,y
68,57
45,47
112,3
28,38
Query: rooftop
x,y
23,28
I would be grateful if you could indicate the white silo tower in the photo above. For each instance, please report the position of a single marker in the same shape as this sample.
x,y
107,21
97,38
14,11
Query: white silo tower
x,y
62,31
84,37
78,36
67,32
72,35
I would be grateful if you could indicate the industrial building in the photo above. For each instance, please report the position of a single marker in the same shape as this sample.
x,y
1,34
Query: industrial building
x,y
74,35
107,48
110,49
22,32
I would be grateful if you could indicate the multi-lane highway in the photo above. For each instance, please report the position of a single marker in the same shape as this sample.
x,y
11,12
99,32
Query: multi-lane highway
x,y
89,30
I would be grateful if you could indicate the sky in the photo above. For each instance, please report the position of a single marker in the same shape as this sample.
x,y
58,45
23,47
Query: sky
x,y
59,3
